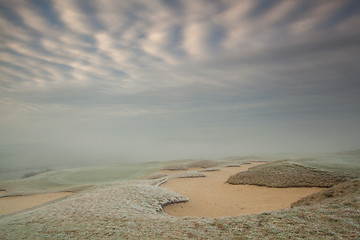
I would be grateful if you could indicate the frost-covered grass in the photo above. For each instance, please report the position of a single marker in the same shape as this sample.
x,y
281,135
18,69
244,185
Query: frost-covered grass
x,y
132,209
192,174
306,170
347,162
212,169
185,165
287,174
78,178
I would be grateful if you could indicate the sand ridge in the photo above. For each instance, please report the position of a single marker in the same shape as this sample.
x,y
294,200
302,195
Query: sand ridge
x,y
213,197
17,203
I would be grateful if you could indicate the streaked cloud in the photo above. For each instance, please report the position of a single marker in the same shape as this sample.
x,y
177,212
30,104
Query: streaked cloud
x,y
233,66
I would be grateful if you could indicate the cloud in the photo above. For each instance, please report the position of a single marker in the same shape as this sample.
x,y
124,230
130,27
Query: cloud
x,y
111,14
195,43
316,16
33,19
74,17
165,69
135,43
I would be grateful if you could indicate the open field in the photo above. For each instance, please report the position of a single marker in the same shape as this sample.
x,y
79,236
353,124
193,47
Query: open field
x,y
121,208
78,178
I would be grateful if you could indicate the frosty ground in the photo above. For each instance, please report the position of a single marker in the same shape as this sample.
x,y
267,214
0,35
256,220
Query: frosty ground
x,y
133,209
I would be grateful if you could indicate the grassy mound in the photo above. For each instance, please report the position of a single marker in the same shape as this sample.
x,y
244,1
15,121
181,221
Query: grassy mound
x,y
286,174
339,193
192,174
192,164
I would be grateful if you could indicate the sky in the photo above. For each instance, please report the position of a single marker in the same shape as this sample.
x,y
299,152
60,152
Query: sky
x,y
106,80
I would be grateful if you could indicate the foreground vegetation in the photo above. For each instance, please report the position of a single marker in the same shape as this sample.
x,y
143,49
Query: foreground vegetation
x,y
132,209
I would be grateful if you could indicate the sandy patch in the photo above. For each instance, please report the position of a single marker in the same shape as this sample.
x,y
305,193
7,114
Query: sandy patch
x,y
18,203
213,197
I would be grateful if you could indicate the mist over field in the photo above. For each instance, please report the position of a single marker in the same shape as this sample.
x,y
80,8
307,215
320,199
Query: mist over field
x,y
98,82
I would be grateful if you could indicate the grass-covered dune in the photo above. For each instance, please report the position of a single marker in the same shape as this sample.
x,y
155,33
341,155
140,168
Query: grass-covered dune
x,y
287,174
184,165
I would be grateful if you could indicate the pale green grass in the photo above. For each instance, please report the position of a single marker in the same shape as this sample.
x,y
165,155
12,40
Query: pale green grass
x,y
75,178
78,178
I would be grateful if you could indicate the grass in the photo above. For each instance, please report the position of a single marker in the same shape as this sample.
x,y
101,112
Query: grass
x,y
192,174
336,193
78,178
185,165
287,174
33,173
132,209
307,170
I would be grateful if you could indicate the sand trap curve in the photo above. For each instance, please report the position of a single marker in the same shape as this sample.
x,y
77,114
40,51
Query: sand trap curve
x,y
213,197
18,203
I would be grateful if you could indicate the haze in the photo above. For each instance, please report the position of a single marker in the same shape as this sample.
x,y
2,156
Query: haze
x,y
116,81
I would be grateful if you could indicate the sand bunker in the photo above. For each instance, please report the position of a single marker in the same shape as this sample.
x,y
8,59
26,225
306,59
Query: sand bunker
x,y
18,203
213,197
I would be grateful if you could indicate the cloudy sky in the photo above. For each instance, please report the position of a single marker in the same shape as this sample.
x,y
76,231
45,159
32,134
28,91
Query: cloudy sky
x,y
106,80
